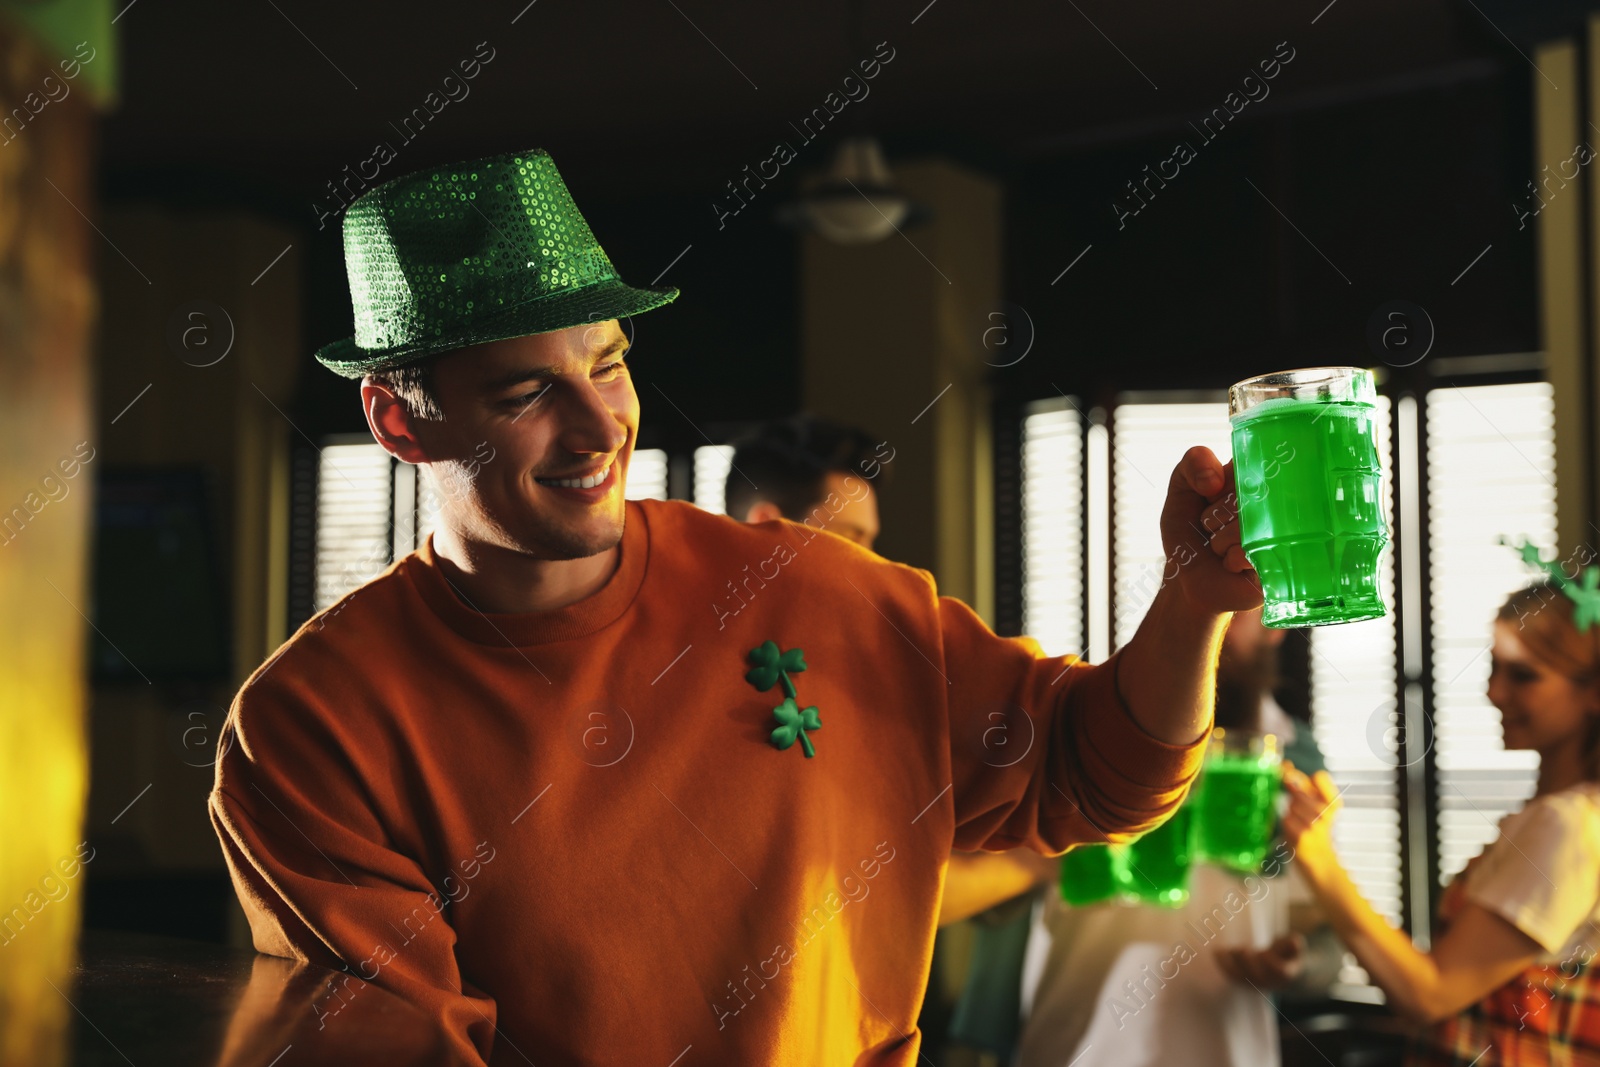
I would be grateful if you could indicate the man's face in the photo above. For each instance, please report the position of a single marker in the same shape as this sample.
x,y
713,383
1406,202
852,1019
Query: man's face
x,y
857,520
520,415
1249,648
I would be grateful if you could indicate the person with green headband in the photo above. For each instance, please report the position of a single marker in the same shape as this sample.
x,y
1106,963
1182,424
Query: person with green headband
x,y
1508,979
597,780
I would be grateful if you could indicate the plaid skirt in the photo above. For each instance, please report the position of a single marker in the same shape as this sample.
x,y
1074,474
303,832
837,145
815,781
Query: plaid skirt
x,y
1548,1016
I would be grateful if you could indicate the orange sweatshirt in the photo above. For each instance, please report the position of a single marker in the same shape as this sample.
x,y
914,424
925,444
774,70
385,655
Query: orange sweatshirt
x,y
572,836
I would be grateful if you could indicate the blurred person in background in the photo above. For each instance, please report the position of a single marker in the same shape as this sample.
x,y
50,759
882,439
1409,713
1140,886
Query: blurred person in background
x,y
788,468
1049,985
1508,980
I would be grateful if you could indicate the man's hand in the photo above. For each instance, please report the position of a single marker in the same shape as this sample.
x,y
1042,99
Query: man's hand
x,y
1167,671
1200,532
1272,967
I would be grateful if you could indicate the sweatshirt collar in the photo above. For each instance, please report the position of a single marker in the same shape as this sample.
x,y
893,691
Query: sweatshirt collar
x,y
577,619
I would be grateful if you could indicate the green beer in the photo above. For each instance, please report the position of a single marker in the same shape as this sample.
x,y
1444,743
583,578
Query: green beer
x,y
1158,862
1093,874
1310,485
1236,809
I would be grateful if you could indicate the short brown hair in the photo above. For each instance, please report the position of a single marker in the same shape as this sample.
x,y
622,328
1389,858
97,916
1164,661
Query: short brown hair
x,y
413,384
790,460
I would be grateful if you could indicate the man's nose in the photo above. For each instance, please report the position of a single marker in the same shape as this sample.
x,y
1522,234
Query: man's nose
x,y
590,423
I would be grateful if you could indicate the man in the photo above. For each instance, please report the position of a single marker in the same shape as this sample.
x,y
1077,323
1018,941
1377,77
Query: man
x,y
1140,985
608,781
791,468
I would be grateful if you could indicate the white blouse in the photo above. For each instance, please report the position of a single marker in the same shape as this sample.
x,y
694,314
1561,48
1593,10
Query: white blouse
x,y
1542,874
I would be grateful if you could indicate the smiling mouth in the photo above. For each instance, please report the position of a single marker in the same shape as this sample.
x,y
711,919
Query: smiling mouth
x,y
587,482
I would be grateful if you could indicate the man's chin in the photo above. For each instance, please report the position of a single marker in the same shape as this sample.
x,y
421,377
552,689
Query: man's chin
x,y
590,540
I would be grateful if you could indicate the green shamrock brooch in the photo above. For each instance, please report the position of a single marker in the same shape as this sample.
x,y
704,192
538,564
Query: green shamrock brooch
x,y
772,667
1584,591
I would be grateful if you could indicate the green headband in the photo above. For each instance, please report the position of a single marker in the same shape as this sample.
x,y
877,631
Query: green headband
x,y
1583,592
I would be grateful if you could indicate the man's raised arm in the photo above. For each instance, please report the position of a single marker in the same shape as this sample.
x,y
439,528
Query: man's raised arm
x,y
1167,671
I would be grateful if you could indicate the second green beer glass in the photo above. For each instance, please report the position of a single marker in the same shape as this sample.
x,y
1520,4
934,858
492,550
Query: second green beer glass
x,y
1158,862
1236,809
1310,485
1093,874
1153,868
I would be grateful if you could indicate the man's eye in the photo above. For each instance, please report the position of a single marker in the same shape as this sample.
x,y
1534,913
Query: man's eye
x,y
611,369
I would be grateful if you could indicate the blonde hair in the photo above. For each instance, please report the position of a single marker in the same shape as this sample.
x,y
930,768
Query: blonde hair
x,y
1543,615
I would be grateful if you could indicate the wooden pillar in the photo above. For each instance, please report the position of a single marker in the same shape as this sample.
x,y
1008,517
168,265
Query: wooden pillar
x,y
1558,127
893,337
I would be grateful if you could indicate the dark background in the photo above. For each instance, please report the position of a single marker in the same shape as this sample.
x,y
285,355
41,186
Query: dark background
x,y
1397,141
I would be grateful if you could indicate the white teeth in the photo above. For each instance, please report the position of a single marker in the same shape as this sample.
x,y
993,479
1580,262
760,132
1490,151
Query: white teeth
x,y
577,483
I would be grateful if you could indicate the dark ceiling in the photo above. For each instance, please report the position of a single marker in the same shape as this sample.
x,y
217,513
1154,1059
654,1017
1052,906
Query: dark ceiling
x,y
1397,134
669,92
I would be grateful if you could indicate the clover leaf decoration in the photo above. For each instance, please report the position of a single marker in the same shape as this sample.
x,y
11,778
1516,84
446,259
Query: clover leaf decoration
x,y
793,723
771,667
1587,599
1584,594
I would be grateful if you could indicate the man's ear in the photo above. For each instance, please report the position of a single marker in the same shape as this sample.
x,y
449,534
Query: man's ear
x,y
392,424
762,511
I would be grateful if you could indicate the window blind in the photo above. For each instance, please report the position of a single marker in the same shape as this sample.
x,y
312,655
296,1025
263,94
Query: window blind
x,y
647,475
1052,527
1491,471
354,512
711,465
1147,441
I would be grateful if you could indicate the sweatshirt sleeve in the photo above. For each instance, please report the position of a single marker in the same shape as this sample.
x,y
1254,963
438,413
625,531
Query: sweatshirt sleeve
x,y
1043,751
319,881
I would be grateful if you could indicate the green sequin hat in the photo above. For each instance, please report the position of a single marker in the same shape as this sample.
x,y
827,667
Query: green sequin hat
x,y
478,251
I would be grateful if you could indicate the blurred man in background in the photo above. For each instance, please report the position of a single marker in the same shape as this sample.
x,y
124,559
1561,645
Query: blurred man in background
x,y
1214,1011
807,466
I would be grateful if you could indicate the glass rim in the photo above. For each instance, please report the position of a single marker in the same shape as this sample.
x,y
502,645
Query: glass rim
x,y
1243,740
1332,383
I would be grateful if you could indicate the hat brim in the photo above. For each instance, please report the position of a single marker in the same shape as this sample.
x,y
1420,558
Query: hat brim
x,y
558,311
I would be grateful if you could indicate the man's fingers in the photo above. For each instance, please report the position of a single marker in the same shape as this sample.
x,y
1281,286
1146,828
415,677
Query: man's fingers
x,y
1269,970
1273,966
1228,964
1288,956
1200,472
1289,947
1226,538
